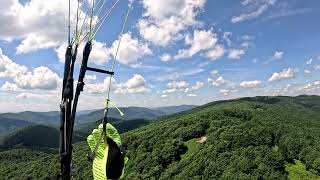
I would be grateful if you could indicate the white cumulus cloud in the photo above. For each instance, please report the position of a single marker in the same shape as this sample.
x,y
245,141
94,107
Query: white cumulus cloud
x,y
226,37
182,86
278,55
284,74
307,71
39,78
215,53
218,81
136,84
7,86
236,53
178,84
198,85
227,92
191,95
39,23
311,86
164,95
165,57
250,84
201,40
130,51
260,7
10,69
309,62
101,87
163,21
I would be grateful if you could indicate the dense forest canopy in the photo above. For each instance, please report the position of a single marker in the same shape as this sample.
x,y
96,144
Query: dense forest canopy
x,y
247,138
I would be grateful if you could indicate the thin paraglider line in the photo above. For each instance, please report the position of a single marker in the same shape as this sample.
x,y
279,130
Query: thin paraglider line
x,y
85,23
77,23
103,133
85,35
96,11
100,9
116,54
69,27
97,5
76,35
102,20
91,20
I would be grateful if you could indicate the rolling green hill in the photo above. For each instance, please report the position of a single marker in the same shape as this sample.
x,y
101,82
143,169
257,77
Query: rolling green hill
x,y
246,138
40,136
36,136
8,125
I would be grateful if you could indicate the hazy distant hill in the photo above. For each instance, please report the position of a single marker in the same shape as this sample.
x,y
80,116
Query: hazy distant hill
x,y
174,109
49,118
131,113
85,112
36,136
52,118
7,124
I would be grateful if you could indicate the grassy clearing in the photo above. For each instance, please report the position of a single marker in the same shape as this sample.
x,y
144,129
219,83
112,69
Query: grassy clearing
x,y
193,147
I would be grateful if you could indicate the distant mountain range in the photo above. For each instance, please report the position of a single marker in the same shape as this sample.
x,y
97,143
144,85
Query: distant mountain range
x,y
11,121
44,137
49,118
174,109
7,124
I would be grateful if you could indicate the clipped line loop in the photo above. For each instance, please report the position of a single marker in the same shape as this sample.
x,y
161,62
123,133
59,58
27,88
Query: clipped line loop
x,y
113,105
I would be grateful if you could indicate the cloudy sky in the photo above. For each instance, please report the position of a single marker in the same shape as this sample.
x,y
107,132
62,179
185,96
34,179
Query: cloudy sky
x,y
173,52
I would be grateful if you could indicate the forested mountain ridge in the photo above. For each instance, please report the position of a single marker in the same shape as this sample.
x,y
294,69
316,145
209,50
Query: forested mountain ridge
x,y
246,138
7,125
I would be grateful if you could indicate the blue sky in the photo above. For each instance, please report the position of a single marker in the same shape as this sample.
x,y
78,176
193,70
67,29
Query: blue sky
x,y
173,52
